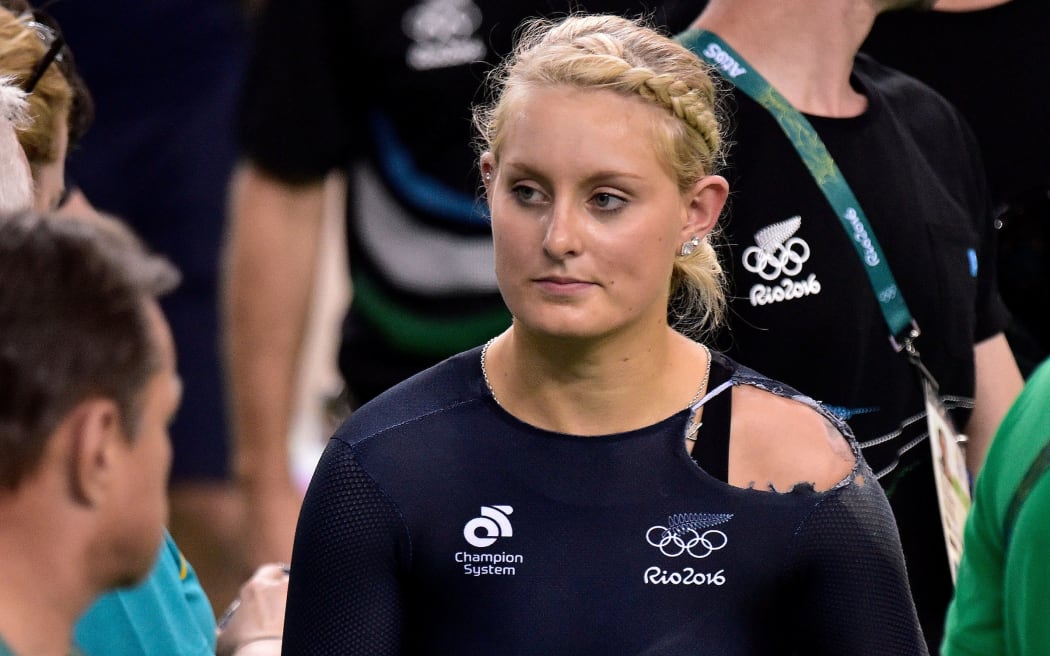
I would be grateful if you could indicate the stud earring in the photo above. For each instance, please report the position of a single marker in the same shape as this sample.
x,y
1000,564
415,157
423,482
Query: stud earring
x,y
690,246
488,176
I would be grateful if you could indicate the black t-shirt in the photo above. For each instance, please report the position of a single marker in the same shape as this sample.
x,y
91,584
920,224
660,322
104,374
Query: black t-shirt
x,y
802,309
384,90
994,65
437,523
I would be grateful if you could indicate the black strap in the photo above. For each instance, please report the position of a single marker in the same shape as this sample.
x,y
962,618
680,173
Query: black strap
x,y
711,449
1031,477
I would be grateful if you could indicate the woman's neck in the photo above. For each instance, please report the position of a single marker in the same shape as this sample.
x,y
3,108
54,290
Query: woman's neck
x,y
595,387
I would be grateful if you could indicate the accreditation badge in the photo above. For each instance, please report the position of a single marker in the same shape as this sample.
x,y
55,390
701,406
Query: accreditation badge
x,y
950,474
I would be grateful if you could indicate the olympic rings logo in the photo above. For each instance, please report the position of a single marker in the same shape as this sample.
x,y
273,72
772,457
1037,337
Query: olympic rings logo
x,y
786,259
675,543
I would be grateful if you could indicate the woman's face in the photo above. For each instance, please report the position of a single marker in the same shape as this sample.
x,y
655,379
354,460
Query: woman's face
x,y
586,218
49,178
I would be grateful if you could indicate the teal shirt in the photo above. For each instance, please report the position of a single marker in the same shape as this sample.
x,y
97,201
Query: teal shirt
x,y
1001,605
166,614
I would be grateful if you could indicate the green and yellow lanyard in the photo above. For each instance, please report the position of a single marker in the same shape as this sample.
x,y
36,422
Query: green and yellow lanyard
x,y
903,329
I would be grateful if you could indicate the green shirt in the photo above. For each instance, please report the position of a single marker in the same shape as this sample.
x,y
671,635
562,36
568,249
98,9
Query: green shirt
x,y
1002,603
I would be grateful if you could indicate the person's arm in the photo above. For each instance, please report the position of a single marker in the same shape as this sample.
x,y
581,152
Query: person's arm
x,y
262,647
351,549
853,588
268,274
998,382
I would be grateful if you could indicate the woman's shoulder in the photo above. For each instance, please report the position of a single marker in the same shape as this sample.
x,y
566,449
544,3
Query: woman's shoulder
x,y
781,438
446,385
779,442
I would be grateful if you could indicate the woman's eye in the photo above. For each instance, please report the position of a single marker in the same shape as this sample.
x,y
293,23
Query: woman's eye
x,y
608,202
526,194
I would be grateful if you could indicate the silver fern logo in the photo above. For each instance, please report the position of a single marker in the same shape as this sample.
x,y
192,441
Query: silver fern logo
x,y
443,33
778,255
778,252
689,533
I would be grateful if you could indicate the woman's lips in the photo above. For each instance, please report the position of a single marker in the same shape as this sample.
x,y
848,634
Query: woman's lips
x,y
563,286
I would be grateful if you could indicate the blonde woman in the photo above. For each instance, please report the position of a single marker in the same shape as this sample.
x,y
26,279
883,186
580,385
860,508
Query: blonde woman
x,y
595,480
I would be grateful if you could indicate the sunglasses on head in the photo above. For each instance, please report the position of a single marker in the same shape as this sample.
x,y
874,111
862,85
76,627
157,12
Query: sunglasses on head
x,y
52,39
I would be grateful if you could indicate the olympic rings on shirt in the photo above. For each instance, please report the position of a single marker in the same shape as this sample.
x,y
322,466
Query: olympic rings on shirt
x,y
785,260
674,544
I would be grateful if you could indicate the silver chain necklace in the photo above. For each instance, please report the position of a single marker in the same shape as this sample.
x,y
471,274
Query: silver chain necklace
x,y
485,372
695,425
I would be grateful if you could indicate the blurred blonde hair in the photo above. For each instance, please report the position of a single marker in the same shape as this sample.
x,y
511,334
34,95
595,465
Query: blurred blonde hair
x,y
21,48
16,183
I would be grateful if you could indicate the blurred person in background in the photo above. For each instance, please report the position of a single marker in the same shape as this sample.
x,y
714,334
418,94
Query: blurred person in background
x,y
1003,42
863,251
169,612
87,367
1000,604
381,92
165,76
34,55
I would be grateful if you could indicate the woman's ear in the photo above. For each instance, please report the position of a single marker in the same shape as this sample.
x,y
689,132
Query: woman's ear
x,y
488,169
704,203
